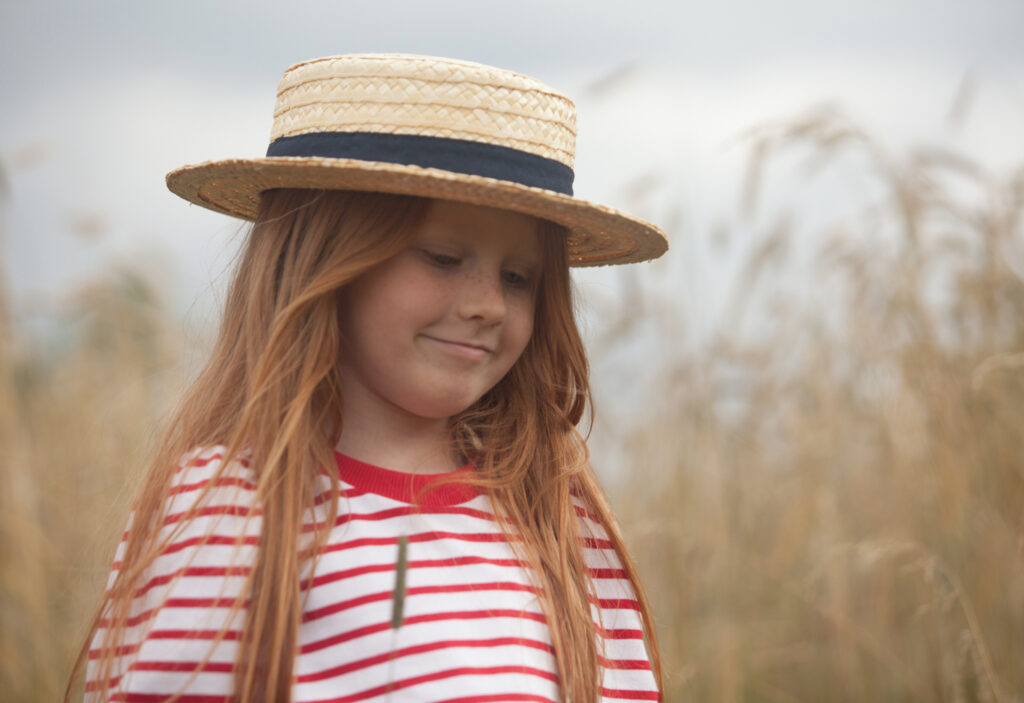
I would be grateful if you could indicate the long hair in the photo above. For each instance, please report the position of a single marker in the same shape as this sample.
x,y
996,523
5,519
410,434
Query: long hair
x,y
271,392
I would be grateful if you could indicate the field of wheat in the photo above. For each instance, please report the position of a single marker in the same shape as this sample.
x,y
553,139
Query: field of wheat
x,y
829,509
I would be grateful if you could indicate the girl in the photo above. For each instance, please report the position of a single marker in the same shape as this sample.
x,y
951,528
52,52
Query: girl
x,y
376,489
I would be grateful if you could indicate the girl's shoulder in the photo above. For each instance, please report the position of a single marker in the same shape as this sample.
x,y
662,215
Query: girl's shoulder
x,y
596,538
207,484
208,467
590,521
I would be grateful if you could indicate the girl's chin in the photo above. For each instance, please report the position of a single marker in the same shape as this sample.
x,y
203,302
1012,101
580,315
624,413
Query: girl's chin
x,y
440,407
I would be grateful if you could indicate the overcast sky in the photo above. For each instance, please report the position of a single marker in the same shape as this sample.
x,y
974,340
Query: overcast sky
x,y
102,98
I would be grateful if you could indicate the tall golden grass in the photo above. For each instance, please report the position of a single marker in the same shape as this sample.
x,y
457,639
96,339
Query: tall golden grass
x,y
833,508
828,508
77,410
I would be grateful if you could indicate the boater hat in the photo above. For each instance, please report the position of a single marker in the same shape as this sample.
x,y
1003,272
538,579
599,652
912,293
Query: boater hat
x,y
418,125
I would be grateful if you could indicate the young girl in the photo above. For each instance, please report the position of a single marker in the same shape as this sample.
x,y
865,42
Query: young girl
x,y
376,489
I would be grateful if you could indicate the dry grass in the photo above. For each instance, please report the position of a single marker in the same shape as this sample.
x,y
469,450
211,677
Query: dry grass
x,y
835,510
833,504
77,413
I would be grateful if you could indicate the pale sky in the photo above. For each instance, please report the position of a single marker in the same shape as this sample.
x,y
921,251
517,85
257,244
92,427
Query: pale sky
x,y
101,99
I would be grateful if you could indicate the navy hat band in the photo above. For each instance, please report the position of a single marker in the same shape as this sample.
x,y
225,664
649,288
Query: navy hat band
x,y
456,155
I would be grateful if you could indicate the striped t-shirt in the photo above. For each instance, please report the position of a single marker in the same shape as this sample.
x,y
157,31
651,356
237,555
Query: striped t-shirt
x,y
470,627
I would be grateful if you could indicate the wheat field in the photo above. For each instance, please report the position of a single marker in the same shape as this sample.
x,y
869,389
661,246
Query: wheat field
x,y
831,509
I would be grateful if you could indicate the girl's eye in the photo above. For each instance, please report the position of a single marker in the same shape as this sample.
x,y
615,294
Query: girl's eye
x,y
516,279
442,260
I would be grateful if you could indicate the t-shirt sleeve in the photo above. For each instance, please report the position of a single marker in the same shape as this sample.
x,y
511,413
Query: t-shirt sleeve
x,y
625,661
182,634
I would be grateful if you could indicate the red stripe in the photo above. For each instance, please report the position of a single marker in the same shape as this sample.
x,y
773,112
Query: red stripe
x,y
622,634
583,512
438,676
202,603
480,537
363,600
413,510
343,494
416,538
343,518
619,604
421,649
233,635
414,591
191,571
189,667
498,697
176,603
229,636
218,482
119,651
199,462
163,698
174,666
630,694
347,491
91,686
416,564
626,664
609,574
433,563
328,610
221,571
233,510
215,540
228,667
347,604
419,619
349,573
228,481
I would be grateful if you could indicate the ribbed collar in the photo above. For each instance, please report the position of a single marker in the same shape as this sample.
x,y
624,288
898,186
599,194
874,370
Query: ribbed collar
x,y
427,490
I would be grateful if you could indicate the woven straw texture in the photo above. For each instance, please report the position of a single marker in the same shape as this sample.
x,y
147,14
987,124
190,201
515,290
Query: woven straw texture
x,y
437,97
398,94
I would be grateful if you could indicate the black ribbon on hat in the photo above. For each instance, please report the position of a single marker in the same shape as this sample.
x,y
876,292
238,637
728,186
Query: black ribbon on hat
x,y
456,155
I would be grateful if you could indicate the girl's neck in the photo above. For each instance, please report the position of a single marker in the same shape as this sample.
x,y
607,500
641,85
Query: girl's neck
x,y
391,438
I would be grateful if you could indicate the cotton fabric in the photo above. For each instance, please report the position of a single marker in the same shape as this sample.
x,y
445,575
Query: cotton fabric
x,y
472,628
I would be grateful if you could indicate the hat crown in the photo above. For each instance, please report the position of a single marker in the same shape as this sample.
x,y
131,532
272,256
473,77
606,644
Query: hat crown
x,y
426,96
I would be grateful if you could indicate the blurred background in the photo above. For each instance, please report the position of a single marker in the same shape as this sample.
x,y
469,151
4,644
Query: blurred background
x,y
808,414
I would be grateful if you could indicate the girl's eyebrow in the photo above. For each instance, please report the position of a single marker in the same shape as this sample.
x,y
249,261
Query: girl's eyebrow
x,y
532,262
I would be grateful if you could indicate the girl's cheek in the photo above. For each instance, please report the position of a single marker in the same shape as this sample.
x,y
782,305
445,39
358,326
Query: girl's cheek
x,y
523,320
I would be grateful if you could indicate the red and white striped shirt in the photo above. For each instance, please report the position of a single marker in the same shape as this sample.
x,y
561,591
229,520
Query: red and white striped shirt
x,y
472,628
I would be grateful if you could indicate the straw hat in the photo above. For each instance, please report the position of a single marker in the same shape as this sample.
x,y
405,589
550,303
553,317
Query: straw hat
x,y
425,126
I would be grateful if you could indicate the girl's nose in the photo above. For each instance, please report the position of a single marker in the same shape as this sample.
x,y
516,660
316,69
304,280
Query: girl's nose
x,y
483,297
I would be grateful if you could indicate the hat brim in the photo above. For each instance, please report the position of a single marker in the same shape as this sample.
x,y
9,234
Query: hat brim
x,y
598,235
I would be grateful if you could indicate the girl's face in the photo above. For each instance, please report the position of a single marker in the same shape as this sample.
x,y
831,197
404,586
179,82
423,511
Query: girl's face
x,y
432,329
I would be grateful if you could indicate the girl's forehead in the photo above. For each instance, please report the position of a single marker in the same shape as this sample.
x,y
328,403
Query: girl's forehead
x,y
459,212
514,230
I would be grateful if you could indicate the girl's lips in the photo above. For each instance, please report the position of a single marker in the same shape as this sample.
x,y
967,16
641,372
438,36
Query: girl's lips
x,y
475,352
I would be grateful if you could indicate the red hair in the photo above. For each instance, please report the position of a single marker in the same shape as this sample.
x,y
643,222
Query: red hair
x,y
271,389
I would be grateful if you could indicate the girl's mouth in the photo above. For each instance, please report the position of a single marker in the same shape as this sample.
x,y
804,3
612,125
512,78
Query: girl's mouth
x,y
466,350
